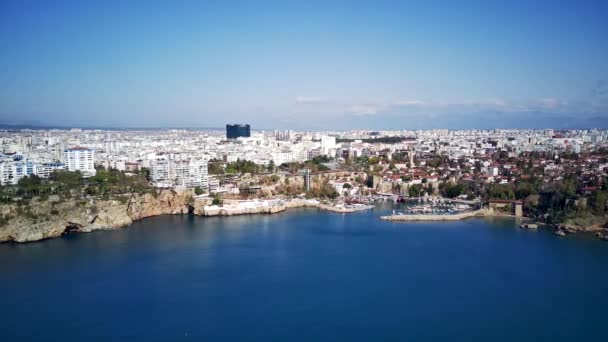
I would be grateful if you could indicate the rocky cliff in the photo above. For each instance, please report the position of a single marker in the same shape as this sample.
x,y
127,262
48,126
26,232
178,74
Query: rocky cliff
x,y
48,219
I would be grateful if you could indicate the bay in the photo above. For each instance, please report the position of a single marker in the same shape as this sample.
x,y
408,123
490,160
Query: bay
x,y
306,275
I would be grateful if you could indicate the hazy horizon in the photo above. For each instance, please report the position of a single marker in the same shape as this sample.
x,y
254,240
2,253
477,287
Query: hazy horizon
x,y
308,66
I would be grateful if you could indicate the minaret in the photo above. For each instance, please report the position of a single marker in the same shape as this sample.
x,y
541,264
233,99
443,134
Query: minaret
x,y
411,154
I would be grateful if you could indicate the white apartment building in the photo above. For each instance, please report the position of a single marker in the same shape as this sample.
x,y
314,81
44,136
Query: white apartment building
x,y
169,172
12,172
196,174
80,159
159,171
328,145
284,156
45,170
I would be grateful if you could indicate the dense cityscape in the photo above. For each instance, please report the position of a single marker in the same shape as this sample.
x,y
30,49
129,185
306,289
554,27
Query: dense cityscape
x,y
304,170
556,177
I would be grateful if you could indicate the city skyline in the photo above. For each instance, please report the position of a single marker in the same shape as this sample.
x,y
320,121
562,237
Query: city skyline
x,y
314,170
316,66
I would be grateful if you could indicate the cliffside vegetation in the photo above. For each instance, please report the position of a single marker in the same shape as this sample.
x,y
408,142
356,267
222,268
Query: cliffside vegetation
x,y
218,167
314,165
73,185
64,185
323,190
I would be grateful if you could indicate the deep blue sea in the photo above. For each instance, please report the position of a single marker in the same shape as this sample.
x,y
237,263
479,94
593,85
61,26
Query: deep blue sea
x,y
306,275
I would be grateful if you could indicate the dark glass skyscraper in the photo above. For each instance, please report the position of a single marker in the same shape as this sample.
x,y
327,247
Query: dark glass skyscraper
x,y
235,131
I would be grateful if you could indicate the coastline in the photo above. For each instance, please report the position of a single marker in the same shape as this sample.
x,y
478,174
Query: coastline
x,y
272,207
74,217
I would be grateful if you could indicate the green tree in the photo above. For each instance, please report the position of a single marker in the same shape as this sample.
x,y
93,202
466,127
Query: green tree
x,y
598,202
215,167
502,192
524,189
415,190
452,190
145,172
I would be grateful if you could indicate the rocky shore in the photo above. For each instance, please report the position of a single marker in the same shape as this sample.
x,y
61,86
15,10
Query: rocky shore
x,y
49,219
564,229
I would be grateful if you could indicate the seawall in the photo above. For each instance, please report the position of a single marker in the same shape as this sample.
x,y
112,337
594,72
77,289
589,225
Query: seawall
x,y
424,217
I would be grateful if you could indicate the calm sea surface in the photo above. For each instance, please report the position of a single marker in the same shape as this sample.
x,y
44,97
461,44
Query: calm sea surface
x,y
306,275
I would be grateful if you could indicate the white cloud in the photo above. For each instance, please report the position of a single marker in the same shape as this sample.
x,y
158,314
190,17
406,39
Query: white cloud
x,y
482,105
408,103
363,109
308,100
477,103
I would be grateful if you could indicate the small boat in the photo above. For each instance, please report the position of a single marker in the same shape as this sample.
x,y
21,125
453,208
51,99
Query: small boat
x,y
560,232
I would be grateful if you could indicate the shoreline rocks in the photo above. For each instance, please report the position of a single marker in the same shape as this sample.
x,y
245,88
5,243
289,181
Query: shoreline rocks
x,y
52,219
83,216
559,232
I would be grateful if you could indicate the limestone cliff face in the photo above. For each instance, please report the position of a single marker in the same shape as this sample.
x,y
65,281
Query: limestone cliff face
x,y
47,219
167,202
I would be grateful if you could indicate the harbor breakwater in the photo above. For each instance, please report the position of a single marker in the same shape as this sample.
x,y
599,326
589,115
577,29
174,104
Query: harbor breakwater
x,y
433,217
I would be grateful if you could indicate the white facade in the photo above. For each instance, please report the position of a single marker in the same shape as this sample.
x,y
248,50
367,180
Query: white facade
x,y
45,170
197,174
80,159
168,172
328,145
159,170
11,173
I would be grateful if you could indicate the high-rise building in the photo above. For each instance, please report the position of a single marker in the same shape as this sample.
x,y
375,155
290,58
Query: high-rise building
x,y
236,131
328,145
189,173
282,135
159,171
80,159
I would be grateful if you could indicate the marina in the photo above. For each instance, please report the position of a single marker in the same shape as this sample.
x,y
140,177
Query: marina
x,y
435,206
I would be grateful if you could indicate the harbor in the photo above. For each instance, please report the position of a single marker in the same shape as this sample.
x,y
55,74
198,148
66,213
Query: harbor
x,y
439,217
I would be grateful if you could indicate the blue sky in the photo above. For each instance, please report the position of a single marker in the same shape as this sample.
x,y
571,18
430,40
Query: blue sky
x,y
305,64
